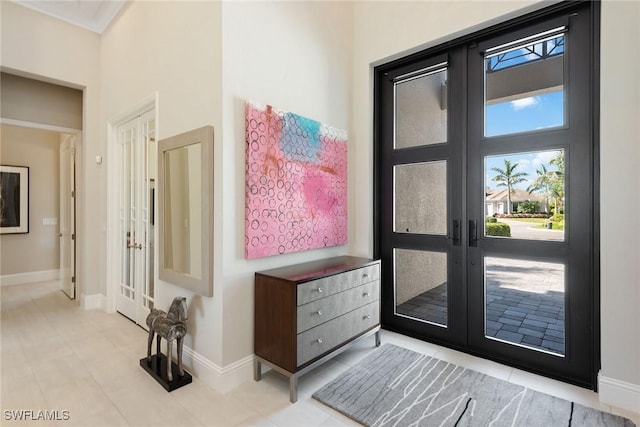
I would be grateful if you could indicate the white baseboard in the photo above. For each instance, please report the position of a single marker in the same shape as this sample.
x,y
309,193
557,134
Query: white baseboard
x,y
620,394
91,302
222,379
30,277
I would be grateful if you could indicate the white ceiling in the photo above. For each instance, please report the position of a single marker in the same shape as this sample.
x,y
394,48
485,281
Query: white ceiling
x,y
94,15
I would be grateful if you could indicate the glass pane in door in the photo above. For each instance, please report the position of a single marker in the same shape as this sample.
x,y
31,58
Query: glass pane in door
x,y
148,200
524,196
421,285
524,85
420,198
421,109
524,303
127,209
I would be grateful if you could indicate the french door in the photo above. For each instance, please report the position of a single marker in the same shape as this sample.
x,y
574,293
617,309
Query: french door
x,y
67,233
137,154
484,171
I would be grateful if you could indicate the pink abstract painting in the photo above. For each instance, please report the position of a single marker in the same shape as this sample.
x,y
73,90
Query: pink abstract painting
x,y
296,183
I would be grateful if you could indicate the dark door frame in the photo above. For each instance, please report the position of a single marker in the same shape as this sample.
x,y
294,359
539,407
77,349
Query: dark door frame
x,y
382,195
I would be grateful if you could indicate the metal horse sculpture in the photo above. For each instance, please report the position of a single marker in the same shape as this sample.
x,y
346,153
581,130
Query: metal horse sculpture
x,y
172,326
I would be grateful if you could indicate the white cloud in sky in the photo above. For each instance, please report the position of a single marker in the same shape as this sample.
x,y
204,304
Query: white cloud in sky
x,y
519,104
544,157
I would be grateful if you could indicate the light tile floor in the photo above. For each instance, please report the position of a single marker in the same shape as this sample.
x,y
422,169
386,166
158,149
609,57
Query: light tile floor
x,y
55,355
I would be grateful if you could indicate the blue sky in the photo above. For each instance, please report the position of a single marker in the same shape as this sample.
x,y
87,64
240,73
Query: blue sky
x,y
526,114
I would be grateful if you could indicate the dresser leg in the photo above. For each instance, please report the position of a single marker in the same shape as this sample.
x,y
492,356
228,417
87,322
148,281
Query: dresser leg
x,y
378,339
257,370
293,388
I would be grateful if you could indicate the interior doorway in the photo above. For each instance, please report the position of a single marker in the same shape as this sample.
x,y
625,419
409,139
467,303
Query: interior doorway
x,y
485,175
53,111
50,153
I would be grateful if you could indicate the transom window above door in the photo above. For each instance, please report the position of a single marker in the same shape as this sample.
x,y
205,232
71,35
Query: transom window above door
x,y
524,84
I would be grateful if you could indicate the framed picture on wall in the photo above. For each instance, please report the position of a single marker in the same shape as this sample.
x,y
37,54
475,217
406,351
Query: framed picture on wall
x,y
14,199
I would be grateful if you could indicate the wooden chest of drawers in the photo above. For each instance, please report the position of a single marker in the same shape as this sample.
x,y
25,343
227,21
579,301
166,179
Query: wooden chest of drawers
x,y
308,313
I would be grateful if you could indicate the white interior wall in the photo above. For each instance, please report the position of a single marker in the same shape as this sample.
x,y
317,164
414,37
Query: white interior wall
x,y
297,57
172,49
32,45
36,101
620,199
39,150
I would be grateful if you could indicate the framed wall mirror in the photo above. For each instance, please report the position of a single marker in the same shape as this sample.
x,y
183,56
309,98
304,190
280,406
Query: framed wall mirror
x,y
185,208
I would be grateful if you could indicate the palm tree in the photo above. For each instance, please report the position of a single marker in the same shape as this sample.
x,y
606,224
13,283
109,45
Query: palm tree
x,y
507,177
558,183
544,182
558,161
551,183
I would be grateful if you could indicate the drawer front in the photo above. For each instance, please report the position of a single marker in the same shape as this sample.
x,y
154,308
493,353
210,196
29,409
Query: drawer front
x,y
325,309
316,289
322,338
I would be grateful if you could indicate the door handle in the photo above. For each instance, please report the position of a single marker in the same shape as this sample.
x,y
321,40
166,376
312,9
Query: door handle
x,y
473,233
456,232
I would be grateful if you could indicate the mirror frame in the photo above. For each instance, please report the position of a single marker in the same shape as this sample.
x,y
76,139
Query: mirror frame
x,y
204,136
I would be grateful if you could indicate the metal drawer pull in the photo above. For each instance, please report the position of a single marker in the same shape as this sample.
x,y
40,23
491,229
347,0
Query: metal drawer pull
x,y
319,340
319,312
367,317
365,276
365,294
320,290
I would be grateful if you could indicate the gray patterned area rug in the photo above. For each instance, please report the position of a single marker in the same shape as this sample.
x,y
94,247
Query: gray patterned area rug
x,y
398,387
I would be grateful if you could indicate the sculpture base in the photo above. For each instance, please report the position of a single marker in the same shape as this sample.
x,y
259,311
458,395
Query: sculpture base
x,y
157,368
